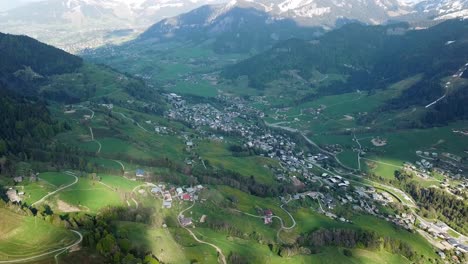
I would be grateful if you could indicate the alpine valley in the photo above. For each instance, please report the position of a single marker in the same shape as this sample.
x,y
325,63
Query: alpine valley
x,y
269,131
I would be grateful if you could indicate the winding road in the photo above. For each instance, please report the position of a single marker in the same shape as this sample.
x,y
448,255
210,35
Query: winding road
x,y
277,217
121,164
56,191
131,119
92,139
58,251
220,252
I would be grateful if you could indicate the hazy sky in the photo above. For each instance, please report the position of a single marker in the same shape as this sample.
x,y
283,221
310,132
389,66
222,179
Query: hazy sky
x,y
8,4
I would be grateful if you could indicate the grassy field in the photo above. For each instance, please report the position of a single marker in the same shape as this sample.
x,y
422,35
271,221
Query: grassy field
x,y
36,190
307,220
158,240
89,196
118,182
22,236
57,178
219,155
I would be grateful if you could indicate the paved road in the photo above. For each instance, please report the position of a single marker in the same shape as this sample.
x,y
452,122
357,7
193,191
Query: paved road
x,y
56,191
58,251
220,252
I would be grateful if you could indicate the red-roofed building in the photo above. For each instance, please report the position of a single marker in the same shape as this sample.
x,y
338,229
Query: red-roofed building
x,y
186,197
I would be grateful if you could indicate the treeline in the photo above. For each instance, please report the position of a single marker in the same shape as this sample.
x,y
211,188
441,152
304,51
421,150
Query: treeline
x,y
314,241
27,130
210,175
235,180
231,230
101,234
435,203
24,122
452,108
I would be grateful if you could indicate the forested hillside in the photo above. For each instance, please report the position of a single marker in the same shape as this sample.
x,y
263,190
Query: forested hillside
x,y
21,51
370,56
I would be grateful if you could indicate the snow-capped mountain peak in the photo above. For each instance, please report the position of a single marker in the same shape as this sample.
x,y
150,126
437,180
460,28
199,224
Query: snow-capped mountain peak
x,y
444,9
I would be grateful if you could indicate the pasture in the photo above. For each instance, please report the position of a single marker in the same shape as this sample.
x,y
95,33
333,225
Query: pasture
x,y
27,236
90,196
219,156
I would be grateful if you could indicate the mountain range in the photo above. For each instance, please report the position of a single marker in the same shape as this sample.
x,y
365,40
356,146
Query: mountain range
x,y
77,24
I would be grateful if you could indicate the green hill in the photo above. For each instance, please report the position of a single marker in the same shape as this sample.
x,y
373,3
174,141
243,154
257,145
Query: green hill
x,y
26,236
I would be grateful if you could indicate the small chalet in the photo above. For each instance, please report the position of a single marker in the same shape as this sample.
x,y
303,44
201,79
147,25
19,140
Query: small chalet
x,y
268,217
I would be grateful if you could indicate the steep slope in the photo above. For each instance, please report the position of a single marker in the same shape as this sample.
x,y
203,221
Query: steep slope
x,y
34,75
233,28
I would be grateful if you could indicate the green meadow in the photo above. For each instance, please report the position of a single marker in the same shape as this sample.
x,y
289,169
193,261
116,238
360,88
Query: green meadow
x,y
26,236
219,155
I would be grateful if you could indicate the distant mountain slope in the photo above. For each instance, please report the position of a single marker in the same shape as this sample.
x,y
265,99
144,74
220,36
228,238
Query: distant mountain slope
x,y
368,57
233,29
443,9
77,24
328,12
373,53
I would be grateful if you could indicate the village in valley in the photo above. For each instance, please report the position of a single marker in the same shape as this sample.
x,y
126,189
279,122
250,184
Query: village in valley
x,y
325,184
233,116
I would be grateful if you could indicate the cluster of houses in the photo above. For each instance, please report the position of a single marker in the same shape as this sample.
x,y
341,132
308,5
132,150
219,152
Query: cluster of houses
x,y
404,220
292,162
447,164
335,180
162,130
439,230
168,195
276,146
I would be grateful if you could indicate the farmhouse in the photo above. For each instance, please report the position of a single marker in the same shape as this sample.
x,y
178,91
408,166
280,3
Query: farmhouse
x,y
185,221
167,200
13,196
18,179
